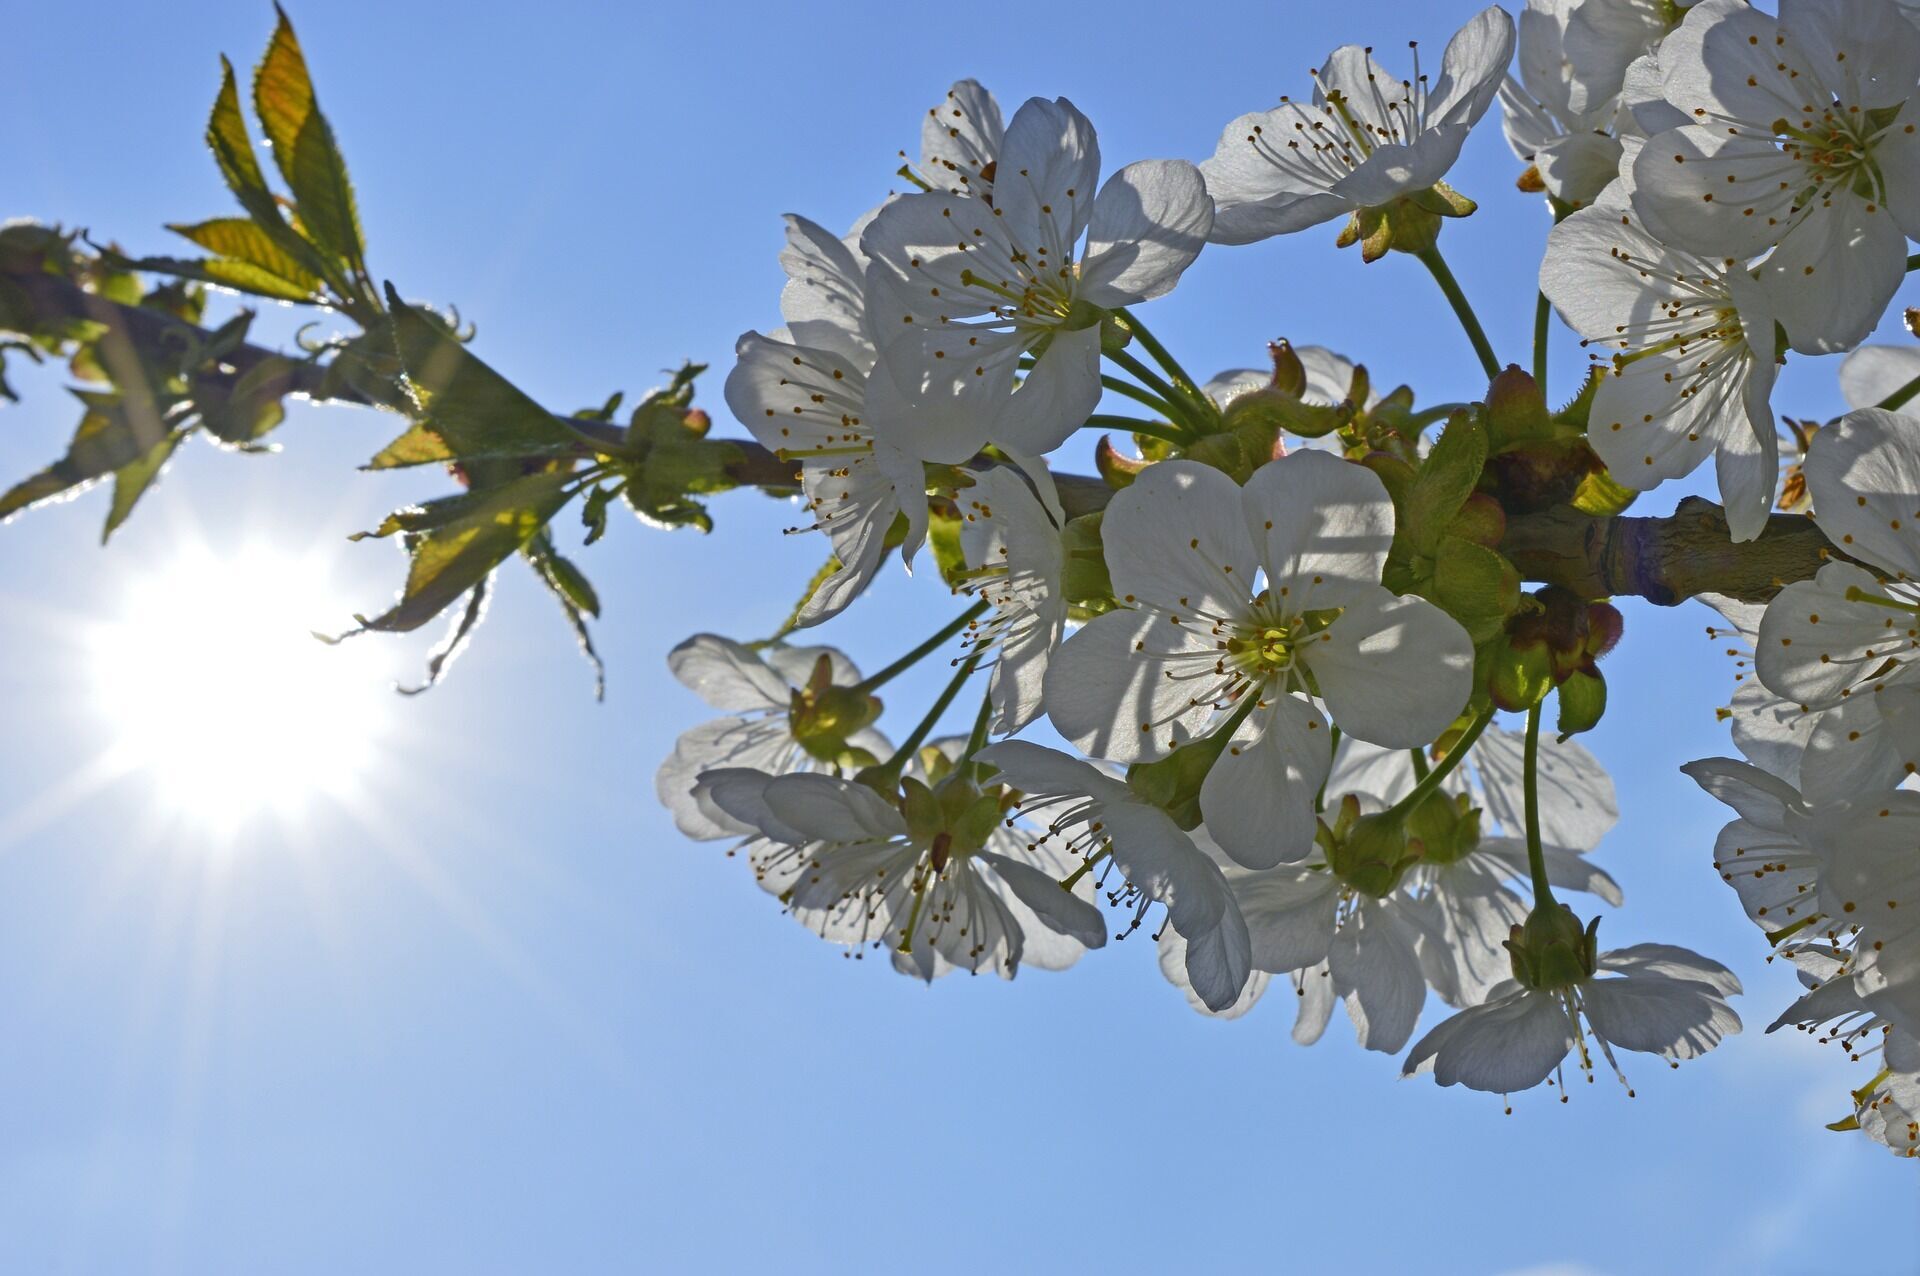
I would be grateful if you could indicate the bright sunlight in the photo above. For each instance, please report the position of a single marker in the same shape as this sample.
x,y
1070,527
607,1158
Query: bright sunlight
x,y
214,686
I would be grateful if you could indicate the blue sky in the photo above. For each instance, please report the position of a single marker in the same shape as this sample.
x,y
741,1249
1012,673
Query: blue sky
x,y
501,1017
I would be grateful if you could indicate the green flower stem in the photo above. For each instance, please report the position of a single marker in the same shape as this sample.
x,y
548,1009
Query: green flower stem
x,y
914,657
977,738
1542,317
1142,397
1320,794
1166,360
1181,410
1536,856
1913,262
1445,767
1420,767
1437,266
1135,425
919,734
1901,397
1438,412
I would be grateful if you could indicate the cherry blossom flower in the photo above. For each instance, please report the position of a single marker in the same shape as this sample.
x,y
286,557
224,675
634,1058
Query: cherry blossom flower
x,y
1805,139
1693,360
1872,374
787,710
1366,139
1654,998
974,285
1570,148
933,875
1844,642
1256,602
1095,816
805,396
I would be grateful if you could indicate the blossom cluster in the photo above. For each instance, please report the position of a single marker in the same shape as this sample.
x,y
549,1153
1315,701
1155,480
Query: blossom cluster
x,y
1276,636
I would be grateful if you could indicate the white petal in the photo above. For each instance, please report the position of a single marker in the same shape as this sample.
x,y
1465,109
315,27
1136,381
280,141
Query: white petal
x,y
1472,67
1864,475
1058,907
1175,538
1509,1044
727,675
1872,373
1264,179
759,744
1833,274
1048,172
824,302
1057,396
1258,797
1670,961
1815,642
1323,525
1289,913
1149,223
1106,695
1173,965
1377,971
1393,671
960,137
832,810
1673,1018
1577,801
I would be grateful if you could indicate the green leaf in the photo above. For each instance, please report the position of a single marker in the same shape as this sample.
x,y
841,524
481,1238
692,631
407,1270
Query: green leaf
x,y
112,434
1600,494
245,250
252,408
1445,481
441,657
576,598
474,410
233,152
418,446
131,481
455,555
304,149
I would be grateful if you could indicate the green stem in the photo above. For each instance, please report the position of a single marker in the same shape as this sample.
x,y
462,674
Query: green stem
x,y
1437,266
1142,397
1542,317
1420,767
1445,767
1320,794
1165,359
977,738
1438,412
1913,262
1536,856
1153,380
914,657
1134,425
920,732
1901,397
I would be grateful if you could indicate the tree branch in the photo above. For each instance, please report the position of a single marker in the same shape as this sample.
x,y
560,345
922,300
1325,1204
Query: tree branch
x,y
1664,560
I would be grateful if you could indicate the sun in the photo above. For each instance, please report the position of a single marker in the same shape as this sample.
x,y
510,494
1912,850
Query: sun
x,y
212,684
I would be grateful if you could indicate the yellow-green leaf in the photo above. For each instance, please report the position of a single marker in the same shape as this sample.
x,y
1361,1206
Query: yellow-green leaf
x,y
242,242
454,557
304,149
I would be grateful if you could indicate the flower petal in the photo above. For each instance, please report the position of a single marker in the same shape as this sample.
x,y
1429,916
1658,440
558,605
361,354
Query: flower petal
x,y
1393,671
1149,223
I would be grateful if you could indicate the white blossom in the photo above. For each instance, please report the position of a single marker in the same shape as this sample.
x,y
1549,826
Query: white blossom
x,y
1366,139
1844,642
1654,998
973,285
1096,815
1803,141
1570,148
1692,360
804,394
960,140
933,876
759,690
1268,596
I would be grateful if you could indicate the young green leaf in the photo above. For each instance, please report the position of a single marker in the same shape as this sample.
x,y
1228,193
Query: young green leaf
x,y
1446,478
304,149
240,242
131,481
474,410
233,151
455,555
458,634
112,434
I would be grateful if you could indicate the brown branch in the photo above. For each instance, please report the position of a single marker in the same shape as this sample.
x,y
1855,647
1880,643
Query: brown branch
x,y
1664,560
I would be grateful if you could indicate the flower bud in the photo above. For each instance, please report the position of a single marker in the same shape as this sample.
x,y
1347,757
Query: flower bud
x,y
1118,469
1551,951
